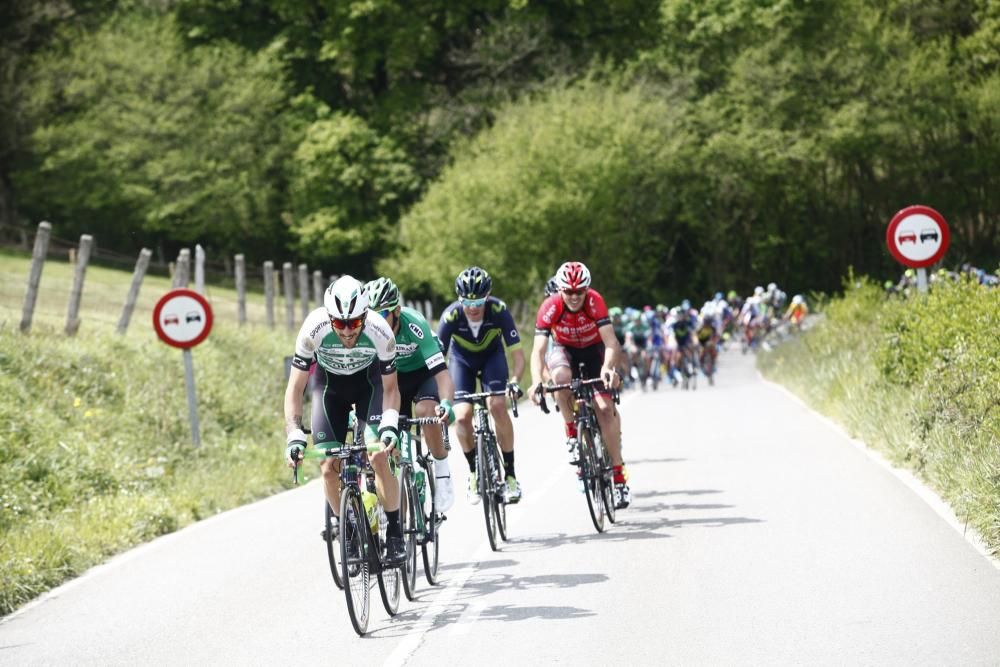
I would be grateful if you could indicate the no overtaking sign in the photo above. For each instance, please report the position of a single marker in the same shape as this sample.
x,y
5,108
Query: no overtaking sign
x,y
183,318
917,236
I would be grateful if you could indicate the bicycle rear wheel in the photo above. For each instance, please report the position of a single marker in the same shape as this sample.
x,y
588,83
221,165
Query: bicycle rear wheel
x,y
355,568
499,488
332,546
591,479
408,520
431,545
486,490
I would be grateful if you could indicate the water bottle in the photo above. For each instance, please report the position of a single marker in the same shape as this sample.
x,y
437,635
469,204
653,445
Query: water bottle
x,y
370,501
420,481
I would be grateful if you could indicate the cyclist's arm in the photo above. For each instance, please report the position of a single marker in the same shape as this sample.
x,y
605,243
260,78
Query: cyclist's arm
x,y
538,357
297,381
390,392
612,350
517,354
445,385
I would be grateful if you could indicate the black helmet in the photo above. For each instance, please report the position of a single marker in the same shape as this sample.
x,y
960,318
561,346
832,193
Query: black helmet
x,y
473,283
551,287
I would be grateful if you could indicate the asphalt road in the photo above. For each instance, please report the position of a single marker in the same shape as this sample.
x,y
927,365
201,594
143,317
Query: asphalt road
x,y
758,535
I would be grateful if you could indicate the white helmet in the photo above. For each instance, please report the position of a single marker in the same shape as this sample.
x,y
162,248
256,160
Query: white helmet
x,y
771,287
797,299
345,298
758,290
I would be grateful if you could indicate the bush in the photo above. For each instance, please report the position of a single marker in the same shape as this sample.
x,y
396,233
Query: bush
x,y
916,378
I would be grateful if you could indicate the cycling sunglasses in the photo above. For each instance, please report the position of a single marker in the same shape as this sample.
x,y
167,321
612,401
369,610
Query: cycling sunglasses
x,y
574,292
352,323
385,313
473,303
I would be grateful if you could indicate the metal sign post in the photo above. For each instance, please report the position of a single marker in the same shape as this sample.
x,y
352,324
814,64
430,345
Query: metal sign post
x,y
183,318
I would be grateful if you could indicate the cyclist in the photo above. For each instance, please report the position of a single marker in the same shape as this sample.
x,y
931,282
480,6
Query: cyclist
x,y
681,331
355,357
577,321
423,376
797,311
707,334
479,324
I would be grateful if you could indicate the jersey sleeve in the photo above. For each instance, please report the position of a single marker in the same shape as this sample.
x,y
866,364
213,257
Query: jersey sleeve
x,y
377,329
597,309
428,346
446,327
315,327
547,315
508,328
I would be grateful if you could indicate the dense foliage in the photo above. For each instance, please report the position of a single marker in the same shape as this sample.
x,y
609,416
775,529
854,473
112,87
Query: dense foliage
x,y
780,136
916,378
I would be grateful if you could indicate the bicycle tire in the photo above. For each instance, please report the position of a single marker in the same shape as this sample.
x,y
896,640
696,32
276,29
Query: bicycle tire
x,y
354,559
591,478
390,579
431,547
500,487
332,547
486,490
408,520
607,475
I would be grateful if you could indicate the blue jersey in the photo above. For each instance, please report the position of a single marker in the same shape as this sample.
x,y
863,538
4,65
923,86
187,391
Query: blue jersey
x,y
496,328
683,327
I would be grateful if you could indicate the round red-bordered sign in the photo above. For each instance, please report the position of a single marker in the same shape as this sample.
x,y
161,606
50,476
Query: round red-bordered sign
x,y
917,236
182,318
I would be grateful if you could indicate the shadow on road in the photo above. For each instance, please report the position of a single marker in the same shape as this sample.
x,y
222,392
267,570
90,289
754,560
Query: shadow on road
x,y
639,462
679,492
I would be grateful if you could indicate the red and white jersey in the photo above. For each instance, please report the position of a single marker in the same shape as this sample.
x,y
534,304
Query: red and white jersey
x,y
579,329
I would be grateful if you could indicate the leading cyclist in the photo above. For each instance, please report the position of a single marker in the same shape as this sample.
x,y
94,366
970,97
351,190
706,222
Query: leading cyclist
x,y
344,339
578,322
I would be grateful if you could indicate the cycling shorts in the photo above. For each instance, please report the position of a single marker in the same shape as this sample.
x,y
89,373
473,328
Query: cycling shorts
x,y
592,358
416,386
491,372
334,396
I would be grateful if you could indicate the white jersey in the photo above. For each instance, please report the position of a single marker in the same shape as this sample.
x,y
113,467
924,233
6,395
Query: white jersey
x,y
317,341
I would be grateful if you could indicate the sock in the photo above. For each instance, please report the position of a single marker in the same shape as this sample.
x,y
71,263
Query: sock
x,y
441,468
471,458
570,429
619,474
393,527
508,463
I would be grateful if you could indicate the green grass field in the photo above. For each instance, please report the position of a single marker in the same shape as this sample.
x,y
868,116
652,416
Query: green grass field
x,y
95,447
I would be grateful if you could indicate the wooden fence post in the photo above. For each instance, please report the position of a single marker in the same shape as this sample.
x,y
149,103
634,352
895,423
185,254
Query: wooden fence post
x,y
82,258
35,276
141,265
182,276
318,287
269,291
286,278
304,289
241,289
199,269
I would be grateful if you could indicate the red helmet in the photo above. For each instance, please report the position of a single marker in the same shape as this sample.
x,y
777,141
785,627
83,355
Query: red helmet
x,y
573,275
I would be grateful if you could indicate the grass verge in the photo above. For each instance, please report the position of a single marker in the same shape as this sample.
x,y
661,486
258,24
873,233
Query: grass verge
x,y
918,380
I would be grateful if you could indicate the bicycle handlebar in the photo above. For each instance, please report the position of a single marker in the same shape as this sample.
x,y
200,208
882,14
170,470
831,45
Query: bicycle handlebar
x,y
332,450
486,394
407,422
573,386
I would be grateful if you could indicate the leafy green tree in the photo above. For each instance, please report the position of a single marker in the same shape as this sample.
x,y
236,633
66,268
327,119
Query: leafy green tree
x,y
348,186
136,132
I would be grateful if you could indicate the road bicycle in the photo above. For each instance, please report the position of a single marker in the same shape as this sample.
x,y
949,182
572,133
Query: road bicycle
x,y
708,358
362,531
490,475
689,367
593,459
422,520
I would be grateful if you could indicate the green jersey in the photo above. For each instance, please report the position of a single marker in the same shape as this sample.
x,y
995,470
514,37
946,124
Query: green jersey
x,y
416,347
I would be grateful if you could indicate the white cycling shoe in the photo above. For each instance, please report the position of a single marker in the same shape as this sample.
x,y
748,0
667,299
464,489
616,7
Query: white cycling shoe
x,y
444,494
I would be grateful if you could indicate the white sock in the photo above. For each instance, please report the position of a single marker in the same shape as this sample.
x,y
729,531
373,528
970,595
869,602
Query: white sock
x,y
441,468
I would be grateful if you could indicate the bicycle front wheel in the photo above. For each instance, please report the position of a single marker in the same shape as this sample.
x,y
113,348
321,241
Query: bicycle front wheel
x,y
355,569
431,545
591,479
332,546
607,474
486,489
408,520
390,579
